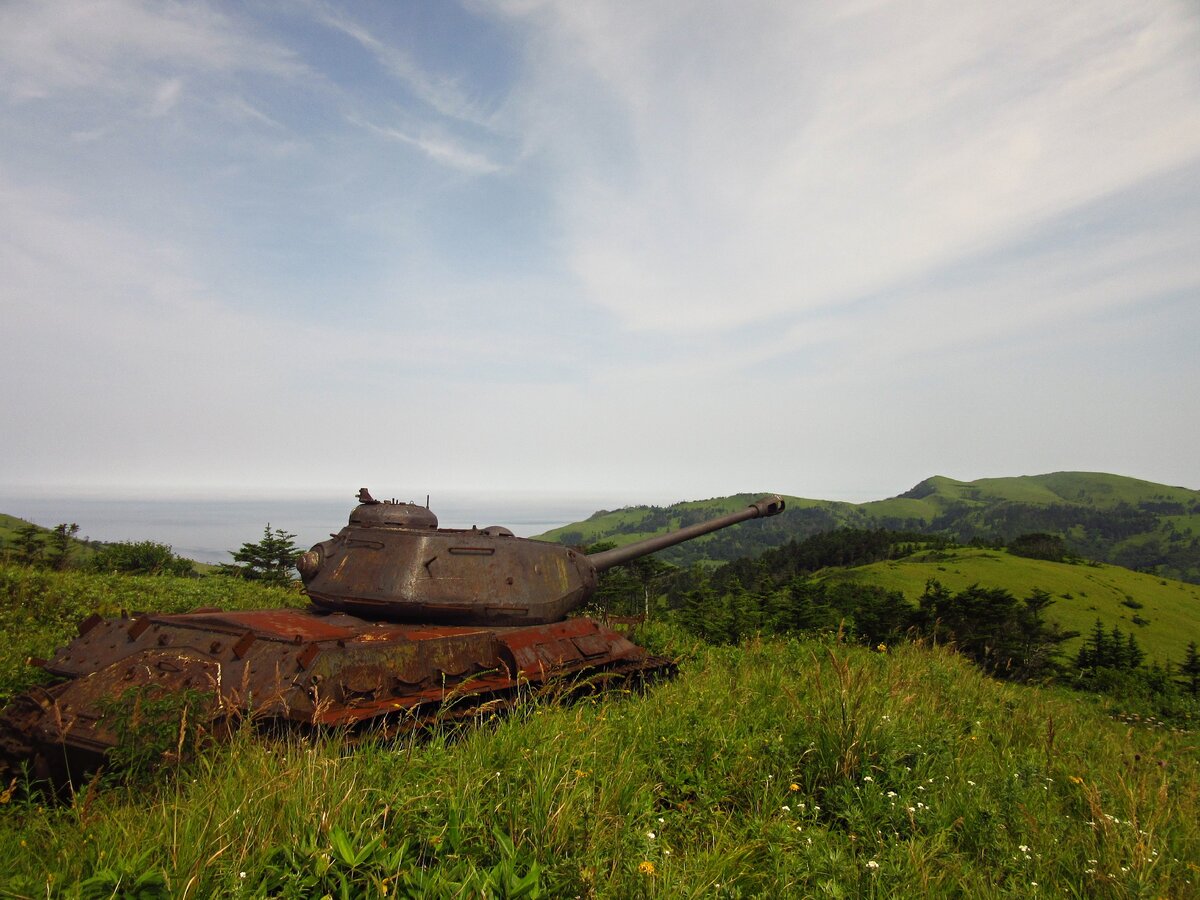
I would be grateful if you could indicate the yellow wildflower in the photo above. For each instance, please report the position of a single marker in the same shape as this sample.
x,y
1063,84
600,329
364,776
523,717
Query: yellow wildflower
x,y
793,786
646,868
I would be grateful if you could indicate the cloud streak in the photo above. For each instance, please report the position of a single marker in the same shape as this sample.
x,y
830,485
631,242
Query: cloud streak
x,y
790,159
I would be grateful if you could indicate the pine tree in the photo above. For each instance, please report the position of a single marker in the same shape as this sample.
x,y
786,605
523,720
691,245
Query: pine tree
x,y
1190,670
1095,652
29,544
1117,647
60,545
270,560
1133,653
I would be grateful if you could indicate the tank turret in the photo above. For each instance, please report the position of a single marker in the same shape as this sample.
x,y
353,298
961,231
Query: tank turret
x,y
392,562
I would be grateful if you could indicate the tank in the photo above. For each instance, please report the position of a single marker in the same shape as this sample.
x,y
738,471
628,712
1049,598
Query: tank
x,y
410,623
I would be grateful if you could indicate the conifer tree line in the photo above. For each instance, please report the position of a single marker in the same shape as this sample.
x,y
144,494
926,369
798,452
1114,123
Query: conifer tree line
x,y
270,559
1009,637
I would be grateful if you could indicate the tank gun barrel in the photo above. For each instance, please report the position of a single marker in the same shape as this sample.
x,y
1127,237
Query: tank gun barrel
x,y
606,559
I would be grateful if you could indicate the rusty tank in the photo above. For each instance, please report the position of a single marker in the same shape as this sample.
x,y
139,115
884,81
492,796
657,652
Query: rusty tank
x,y
410,623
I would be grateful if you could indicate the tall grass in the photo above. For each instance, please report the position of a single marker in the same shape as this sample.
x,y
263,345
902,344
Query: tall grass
x,y
779,768
40,610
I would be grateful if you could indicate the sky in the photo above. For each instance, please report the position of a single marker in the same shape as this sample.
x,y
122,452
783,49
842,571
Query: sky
x,y
657,251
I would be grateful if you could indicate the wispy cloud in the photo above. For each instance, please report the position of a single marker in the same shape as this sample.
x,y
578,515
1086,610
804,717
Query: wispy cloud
x,y
785,158
436,147
106,45
869,241
166,96
440,93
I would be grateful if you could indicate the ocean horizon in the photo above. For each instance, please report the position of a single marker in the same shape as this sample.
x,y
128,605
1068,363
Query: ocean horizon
x,y
209,529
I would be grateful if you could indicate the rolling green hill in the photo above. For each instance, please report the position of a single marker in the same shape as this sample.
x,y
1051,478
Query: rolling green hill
x,y
10,526
1170,610
1111,518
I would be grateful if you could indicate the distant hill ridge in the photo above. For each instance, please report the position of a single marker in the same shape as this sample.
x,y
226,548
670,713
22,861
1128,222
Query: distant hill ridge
x,y
1110,518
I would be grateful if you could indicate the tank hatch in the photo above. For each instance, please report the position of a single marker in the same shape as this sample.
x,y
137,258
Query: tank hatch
x,y
372,513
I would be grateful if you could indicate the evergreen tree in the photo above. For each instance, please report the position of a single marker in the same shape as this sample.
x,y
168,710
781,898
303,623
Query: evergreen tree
x,y
270,560
696,611
29,544
59,555
1118,659
1190,670
1095,652
1134,655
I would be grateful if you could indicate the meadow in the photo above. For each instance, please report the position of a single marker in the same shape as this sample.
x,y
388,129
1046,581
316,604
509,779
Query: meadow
x,y
1163,614
776,768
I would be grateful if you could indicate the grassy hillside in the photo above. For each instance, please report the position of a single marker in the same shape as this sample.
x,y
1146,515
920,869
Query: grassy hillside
x,y
1111,518
80,552
1082,593
774,769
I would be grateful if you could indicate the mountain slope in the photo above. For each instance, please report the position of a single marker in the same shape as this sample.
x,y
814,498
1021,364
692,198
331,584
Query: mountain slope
x,y
1125,521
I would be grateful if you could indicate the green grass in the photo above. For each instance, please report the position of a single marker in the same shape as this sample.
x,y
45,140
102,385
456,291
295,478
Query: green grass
x,y
40,610
1082,592
778,768
774,769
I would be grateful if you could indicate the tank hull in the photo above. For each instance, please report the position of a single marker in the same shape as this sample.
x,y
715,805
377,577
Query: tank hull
x,y
313,668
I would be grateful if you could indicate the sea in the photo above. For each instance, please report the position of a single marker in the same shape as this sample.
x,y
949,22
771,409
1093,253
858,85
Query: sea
x,y
209,529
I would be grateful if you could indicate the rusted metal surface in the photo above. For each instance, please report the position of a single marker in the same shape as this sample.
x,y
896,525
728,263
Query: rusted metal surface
x,y
446,622
390,562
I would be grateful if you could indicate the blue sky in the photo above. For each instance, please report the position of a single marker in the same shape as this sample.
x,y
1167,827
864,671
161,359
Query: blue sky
x,y
657,251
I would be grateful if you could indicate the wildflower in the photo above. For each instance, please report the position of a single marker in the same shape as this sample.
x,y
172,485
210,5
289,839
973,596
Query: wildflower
x,y
793,787
646,868
891,793
1023,848
241,874
871,864
661,820
882,647
786,808
868,778
651,835
970,782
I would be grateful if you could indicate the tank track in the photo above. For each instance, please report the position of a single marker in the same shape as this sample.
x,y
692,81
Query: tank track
x,y
29,752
